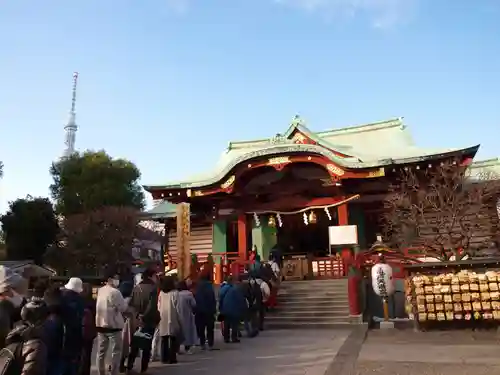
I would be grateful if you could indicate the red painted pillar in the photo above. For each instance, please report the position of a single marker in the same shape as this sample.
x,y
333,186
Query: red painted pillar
x,y
353,278
344,220
242,237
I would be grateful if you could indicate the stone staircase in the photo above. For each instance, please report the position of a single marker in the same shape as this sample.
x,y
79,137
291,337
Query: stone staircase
x,y
311,304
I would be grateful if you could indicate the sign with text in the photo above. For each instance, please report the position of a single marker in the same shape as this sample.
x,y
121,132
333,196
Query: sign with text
x,y
343,235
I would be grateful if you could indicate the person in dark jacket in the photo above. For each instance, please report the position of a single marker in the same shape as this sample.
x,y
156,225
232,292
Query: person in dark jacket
x,y
54,329
206,308
144,301
255,305
73,309
28,339
10,301
232,307
89,330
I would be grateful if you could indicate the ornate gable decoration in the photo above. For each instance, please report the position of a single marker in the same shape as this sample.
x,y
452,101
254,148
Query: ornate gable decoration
x,y
297,136
300,139
278,139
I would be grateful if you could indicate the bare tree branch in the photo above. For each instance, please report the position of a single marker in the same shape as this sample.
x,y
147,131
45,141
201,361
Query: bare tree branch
x,y
443,210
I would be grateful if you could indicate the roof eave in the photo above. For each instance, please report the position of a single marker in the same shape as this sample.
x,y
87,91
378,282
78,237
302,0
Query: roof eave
x,y
469,151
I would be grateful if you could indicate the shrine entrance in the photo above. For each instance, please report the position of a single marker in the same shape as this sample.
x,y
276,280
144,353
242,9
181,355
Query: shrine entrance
x,y
295,237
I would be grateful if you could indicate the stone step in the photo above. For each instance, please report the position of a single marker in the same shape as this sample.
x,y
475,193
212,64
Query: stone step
x,y
313,284
320,304
307,325
297,307
312,319
308,307
311,310
313,299
316,282
312,314
305,293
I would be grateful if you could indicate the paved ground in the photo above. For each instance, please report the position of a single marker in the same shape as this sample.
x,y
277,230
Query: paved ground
x,y
347,352
429,353
283,352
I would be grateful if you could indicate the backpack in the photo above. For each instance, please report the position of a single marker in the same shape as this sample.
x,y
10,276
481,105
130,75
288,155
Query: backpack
x,y
11,359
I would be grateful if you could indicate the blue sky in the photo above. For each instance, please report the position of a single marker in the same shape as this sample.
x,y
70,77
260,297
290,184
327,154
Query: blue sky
x,y
168,83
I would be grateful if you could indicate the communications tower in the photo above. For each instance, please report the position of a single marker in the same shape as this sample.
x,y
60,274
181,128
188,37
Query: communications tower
x,y
71,126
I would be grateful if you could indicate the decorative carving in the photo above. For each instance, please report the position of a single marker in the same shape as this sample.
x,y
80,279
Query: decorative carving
x,y
296,121
333,169
286,148
279,162
300,138
278,138
377,173
229,182
333,181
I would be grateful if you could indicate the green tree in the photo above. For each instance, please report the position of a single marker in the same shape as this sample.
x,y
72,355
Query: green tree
x,y
89,181
30,226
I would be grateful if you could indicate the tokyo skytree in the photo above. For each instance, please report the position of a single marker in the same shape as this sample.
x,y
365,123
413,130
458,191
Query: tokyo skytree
x,y
71,126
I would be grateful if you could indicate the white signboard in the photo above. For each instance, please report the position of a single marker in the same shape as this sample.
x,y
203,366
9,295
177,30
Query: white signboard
x,y
343,235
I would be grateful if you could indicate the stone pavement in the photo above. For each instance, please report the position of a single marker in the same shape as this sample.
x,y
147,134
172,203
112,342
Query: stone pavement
x,y
346,352
283,352
394,352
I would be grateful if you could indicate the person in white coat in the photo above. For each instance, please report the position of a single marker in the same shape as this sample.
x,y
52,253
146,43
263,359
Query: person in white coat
x,y
170,327
110,307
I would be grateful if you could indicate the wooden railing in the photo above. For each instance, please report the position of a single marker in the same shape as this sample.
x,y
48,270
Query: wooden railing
x,y
328,268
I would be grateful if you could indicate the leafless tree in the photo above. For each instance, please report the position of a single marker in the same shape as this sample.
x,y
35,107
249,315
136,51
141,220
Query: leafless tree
x,y
444,210
95,240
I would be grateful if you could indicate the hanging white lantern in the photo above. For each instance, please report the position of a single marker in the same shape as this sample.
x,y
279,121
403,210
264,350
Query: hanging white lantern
x,y
256,219
280,222
382,281
306,221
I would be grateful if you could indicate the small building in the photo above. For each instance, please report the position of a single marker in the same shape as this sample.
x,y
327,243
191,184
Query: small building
x,y
27,268
288,189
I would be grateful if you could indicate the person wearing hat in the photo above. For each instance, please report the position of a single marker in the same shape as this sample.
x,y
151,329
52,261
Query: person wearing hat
x,y
73,309
10,300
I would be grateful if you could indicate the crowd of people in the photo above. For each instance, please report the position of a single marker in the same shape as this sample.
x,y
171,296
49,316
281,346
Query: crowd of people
x,y
55,330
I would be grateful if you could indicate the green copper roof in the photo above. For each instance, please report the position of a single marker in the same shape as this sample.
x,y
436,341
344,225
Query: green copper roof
x,y
162,210
372,145
486,169
482,170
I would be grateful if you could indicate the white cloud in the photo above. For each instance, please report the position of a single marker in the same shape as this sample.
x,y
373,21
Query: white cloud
x,y
381,13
